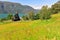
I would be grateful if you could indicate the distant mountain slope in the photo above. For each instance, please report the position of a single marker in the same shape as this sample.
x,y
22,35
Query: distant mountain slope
x,y
9,7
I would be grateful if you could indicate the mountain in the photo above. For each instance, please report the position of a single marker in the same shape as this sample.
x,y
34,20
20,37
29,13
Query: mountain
x,y
10,7
36,10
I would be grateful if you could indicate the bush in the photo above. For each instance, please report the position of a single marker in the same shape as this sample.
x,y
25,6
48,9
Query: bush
x,y
36,17
9,16
25,18
6,18
3,19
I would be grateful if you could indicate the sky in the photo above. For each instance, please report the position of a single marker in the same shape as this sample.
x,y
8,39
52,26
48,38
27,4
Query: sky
x,y
36,4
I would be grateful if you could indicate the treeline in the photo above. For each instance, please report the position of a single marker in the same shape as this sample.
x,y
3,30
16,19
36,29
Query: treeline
x,y
44,13
9,17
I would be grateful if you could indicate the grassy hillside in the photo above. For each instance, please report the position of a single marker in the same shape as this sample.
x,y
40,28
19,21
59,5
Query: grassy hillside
x,y
31,30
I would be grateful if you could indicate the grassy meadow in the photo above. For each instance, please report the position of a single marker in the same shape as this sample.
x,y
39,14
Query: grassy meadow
x,y
31,30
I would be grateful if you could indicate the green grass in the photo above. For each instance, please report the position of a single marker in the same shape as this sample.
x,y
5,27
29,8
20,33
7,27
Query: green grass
x,y
31,30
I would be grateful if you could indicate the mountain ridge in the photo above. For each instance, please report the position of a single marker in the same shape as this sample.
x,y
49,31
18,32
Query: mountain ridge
x,y
12,7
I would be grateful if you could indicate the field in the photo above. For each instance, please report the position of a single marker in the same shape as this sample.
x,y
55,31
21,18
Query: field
x,y
31,30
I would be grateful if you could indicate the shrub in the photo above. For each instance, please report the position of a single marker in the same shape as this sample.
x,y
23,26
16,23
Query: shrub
x,y
36,17
9,16
25,18
3,19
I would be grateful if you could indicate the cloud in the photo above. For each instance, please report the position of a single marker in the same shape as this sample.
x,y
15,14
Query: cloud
x,y
36,6
39,6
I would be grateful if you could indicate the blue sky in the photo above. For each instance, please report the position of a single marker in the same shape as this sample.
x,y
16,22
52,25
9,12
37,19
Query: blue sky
x,y
37,4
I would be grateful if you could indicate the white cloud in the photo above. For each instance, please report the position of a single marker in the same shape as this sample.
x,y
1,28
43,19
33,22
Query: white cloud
x,y
36,6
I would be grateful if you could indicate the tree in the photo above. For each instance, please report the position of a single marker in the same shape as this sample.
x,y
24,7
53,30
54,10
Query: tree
x,y
45,13
6,18
9,16
25,17
56,7
31,15
36,16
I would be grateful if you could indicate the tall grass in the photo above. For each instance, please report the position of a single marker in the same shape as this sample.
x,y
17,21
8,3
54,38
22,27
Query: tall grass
x,y
32,30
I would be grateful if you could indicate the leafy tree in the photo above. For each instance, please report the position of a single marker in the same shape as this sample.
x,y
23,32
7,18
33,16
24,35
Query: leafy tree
x,y
56,7
36,17
6,18
9,16
45,13
31,15
25,18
